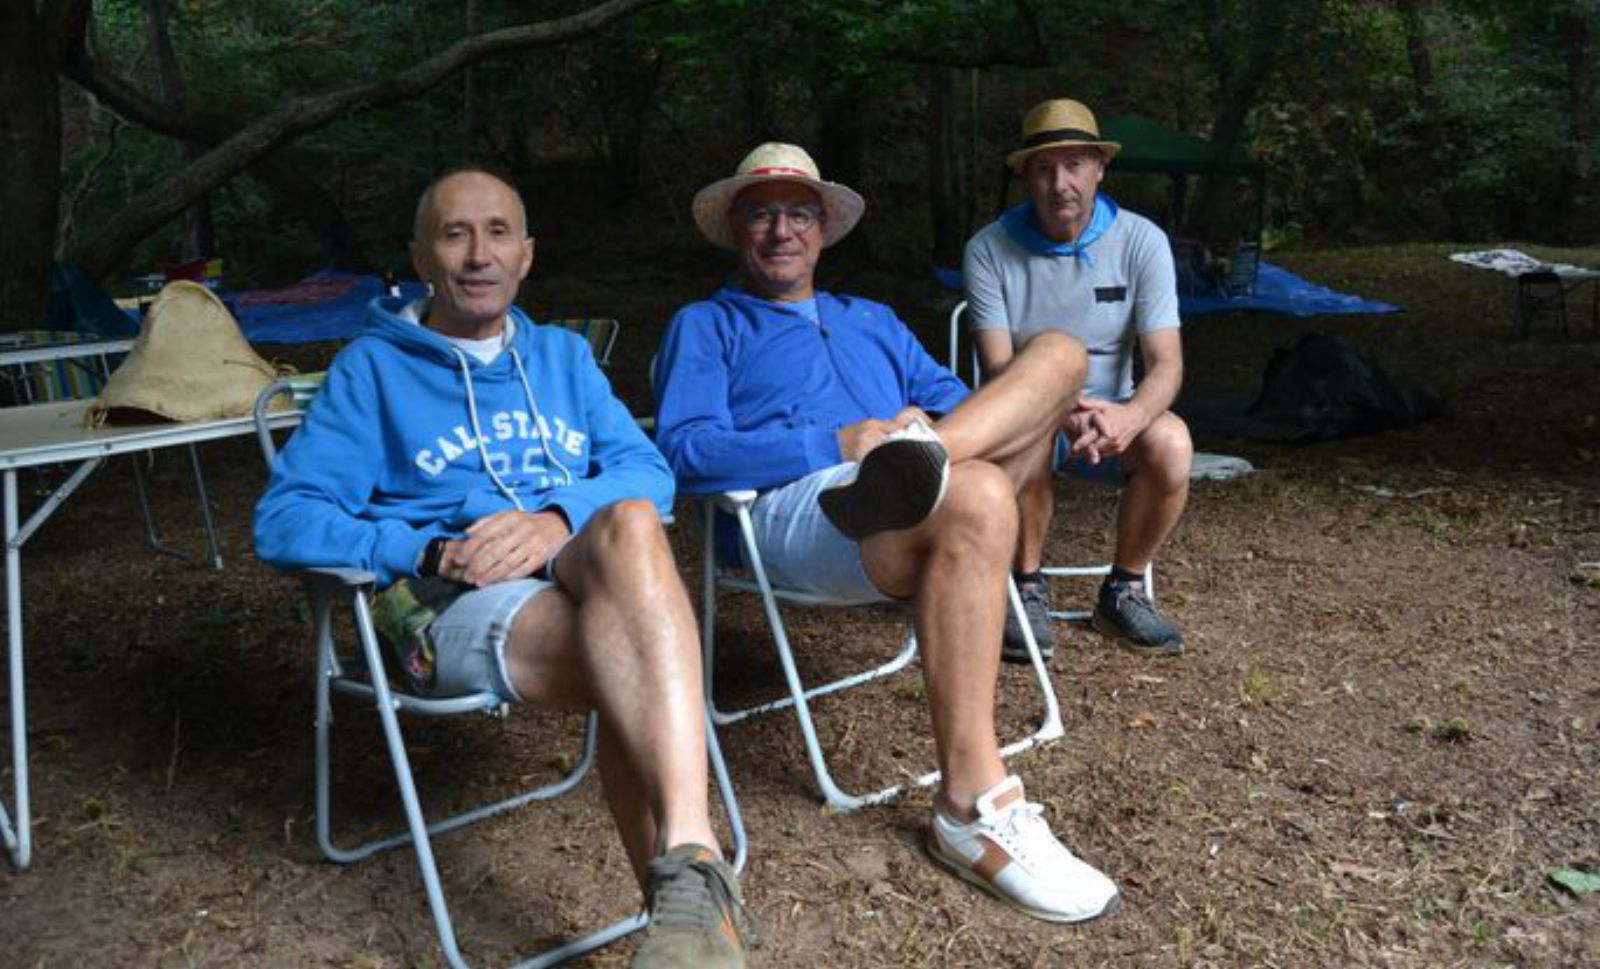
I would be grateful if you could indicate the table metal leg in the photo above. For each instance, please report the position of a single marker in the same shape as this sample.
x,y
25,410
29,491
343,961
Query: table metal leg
x,y
18,838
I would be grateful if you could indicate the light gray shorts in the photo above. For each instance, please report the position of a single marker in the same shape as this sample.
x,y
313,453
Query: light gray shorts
x,y
802,550
469,639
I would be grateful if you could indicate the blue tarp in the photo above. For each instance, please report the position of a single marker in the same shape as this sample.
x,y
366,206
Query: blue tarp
x,y
1278,290
329,305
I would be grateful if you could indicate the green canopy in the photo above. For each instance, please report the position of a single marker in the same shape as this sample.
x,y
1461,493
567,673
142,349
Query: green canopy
x,y
1150,146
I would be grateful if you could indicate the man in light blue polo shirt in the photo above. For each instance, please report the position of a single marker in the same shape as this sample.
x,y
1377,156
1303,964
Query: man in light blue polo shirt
x,y
1069,259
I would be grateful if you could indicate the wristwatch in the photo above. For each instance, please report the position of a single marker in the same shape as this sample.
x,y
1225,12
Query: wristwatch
x,y
432,557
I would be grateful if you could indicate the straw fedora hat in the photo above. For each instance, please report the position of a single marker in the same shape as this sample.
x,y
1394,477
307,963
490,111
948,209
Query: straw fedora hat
x,y
776,162
190,363
1059,123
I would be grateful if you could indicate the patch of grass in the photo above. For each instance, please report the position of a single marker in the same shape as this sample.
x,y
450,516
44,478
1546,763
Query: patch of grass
x,y
1456,730
1258,688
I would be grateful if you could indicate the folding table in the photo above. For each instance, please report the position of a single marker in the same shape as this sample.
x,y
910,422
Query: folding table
x,y
56,433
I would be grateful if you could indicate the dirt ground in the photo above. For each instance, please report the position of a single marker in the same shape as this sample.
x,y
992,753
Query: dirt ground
x,y
1381,739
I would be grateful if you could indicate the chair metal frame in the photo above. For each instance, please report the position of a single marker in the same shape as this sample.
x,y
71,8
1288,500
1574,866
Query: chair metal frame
x,y
1049,571
325,585
715,576
1243,268
1541,293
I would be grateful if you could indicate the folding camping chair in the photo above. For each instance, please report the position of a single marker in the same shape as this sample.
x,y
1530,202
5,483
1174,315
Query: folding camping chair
x,y
1049,571
1540,294
363,675
1240,279
754,579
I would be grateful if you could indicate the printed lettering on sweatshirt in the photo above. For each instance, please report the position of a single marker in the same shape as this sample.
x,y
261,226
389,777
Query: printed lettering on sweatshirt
x,y
503,432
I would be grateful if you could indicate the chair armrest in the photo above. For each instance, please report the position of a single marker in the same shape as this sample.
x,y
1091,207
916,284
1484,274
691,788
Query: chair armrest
x,y
732,500
350,578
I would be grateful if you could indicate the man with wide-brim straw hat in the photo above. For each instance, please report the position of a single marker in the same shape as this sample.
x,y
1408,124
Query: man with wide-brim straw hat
x,y
880,478
1068,260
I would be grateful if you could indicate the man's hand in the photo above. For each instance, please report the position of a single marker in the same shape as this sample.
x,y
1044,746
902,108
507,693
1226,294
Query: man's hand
x,y
505,545
1108,428
855,440
909,414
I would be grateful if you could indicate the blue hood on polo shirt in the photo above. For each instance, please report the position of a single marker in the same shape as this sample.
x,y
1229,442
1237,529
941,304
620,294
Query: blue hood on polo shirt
x,y
412,438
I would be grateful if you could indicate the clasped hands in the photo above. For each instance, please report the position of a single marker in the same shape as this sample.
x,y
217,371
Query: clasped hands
x,y
506,545
1102,429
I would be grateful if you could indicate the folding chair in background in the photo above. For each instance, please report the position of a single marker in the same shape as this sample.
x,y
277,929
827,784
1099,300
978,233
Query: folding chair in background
x,y
363,676
1049,571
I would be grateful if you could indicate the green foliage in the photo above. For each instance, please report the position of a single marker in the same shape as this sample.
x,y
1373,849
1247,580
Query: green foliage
x,y
1360,144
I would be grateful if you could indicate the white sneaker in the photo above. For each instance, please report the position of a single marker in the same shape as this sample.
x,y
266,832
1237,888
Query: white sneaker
x,y
1010,853
896,485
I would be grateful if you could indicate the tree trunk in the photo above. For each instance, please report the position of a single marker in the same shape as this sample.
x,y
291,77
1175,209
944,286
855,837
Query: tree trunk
x,y
199,237
1580,115
946,203
1238,88
160,203
841,152
30,163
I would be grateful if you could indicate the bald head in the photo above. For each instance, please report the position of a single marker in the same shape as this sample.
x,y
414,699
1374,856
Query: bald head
x,y
426,216
472,248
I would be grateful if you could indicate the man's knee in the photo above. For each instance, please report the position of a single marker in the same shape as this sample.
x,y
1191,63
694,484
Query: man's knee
x,y
980,502
1060,352
1166,451
625,537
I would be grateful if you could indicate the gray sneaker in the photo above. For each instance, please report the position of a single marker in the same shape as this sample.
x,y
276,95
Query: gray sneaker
x,y
1036,605
697,917
1125,612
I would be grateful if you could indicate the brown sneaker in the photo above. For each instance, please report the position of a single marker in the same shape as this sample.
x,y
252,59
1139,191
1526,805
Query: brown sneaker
x,y
697,919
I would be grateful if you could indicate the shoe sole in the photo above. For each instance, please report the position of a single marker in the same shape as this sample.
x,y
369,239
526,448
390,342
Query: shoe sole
x,y
960,870
898,485
1106,627
1019,655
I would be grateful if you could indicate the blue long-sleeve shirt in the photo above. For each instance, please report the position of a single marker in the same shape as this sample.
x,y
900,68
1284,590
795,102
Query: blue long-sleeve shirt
x,y
399,446
752,393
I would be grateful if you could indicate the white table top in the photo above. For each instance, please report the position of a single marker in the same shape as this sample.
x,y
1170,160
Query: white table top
x,y
56,432
12,356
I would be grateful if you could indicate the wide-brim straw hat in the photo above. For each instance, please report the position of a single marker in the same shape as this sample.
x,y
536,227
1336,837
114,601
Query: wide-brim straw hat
x,y
1059,123
777,162
190,363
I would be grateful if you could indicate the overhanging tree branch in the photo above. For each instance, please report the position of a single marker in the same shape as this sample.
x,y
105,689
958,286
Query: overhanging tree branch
x,y
172,195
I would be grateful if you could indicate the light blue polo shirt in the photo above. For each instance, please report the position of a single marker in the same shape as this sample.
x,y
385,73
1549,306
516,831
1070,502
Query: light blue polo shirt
x,y
1107,293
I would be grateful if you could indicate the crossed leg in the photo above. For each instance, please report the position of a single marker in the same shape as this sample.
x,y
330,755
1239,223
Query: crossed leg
x,y
955,564
618,636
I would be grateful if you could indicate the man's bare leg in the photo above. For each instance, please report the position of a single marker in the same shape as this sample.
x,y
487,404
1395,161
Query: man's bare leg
x,y
625,644
953,567
1017,410
1157,490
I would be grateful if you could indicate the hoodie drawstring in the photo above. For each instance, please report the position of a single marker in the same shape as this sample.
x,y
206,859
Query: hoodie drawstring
x,y
477,429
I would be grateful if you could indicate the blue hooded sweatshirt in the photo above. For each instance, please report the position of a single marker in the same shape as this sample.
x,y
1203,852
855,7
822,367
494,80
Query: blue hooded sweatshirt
x,y
751,393
412,438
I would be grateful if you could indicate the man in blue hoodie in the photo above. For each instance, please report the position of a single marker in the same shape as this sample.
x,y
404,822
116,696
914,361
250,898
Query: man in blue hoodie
x,y
880,478
484,461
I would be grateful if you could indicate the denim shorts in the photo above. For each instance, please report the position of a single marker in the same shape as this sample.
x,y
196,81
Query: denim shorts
x,y
469,639
1109,471
801,549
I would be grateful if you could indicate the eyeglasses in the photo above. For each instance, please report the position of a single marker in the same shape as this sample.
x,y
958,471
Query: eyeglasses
x,y
801,217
